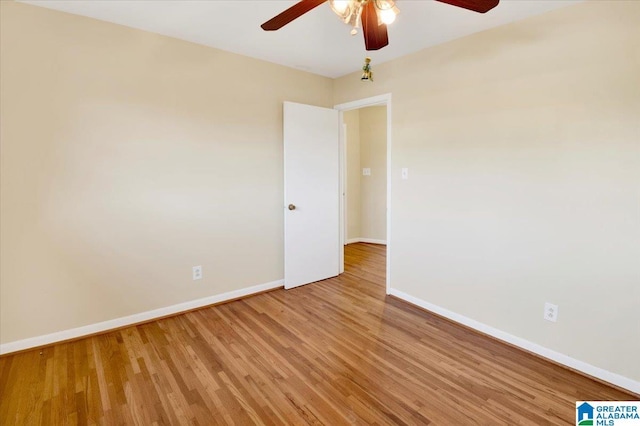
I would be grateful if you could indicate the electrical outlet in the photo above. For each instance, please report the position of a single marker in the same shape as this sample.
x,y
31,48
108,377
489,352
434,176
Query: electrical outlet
x,y
550,312
366,171
197,272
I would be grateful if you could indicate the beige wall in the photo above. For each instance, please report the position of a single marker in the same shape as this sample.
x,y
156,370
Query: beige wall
x,y
351,120
523,149
373,154
128,158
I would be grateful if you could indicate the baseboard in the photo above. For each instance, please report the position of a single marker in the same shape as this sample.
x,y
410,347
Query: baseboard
x,y
572,363
365,240
101,327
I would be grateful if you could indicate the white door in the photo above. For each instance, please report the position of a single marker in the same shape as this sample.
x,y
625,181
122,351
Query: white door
x,y
311,194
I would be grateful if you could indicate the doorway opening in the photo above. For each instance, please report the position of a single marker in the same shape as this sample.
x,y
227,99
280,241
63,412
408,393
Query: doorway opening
x,y
365,174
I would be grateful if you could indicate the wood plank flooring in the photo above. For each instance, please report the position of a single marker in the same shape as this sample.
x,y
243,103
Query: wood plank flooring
x,y
334,352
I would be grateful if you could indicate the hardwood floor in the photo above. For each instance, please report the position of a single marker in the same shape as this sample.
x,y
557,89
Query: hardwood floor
x,y
334,352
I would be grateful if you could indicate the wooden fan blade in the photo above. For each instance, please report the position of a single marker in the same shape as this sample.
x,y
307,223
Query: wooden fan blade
x,y
375,36
294,12
480,6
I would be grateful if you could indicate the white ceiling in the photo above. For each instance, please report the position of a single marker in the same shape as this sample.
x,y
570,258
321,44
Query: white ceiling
x,y
317,42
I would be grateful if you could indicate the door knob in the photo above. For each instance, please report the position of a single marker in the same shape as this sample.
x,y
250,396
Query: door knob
x,y
292,207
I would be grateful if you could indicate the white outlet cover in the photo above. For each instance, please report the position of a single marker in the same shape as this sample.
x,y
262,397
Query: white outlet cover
x,y
197,272
366,171
550,312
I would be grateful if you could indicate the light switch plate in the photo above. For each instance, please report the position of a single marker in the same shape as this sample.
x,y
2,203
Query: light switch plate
x,y
405,173
366,171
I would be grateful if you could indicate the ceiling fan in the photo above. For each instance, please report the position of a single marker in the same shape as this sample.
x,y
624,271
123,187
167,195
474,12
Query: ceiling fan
x,y
375,15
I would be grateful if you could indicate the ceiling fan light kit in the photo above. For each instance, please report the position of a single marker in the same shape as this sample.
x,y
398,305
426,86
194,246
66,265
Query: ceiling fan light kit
x,y
374,15
350,11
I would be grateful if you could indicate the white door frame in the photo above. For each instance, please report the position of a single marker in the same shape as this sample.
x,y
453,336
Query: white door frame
x,y
362,103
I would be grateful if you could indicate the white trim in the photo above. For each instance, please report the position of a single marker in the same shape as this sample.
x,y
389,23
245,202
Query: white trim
x,y
105,326
365,240
367,102
591,370
389,174
384,99
343,187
